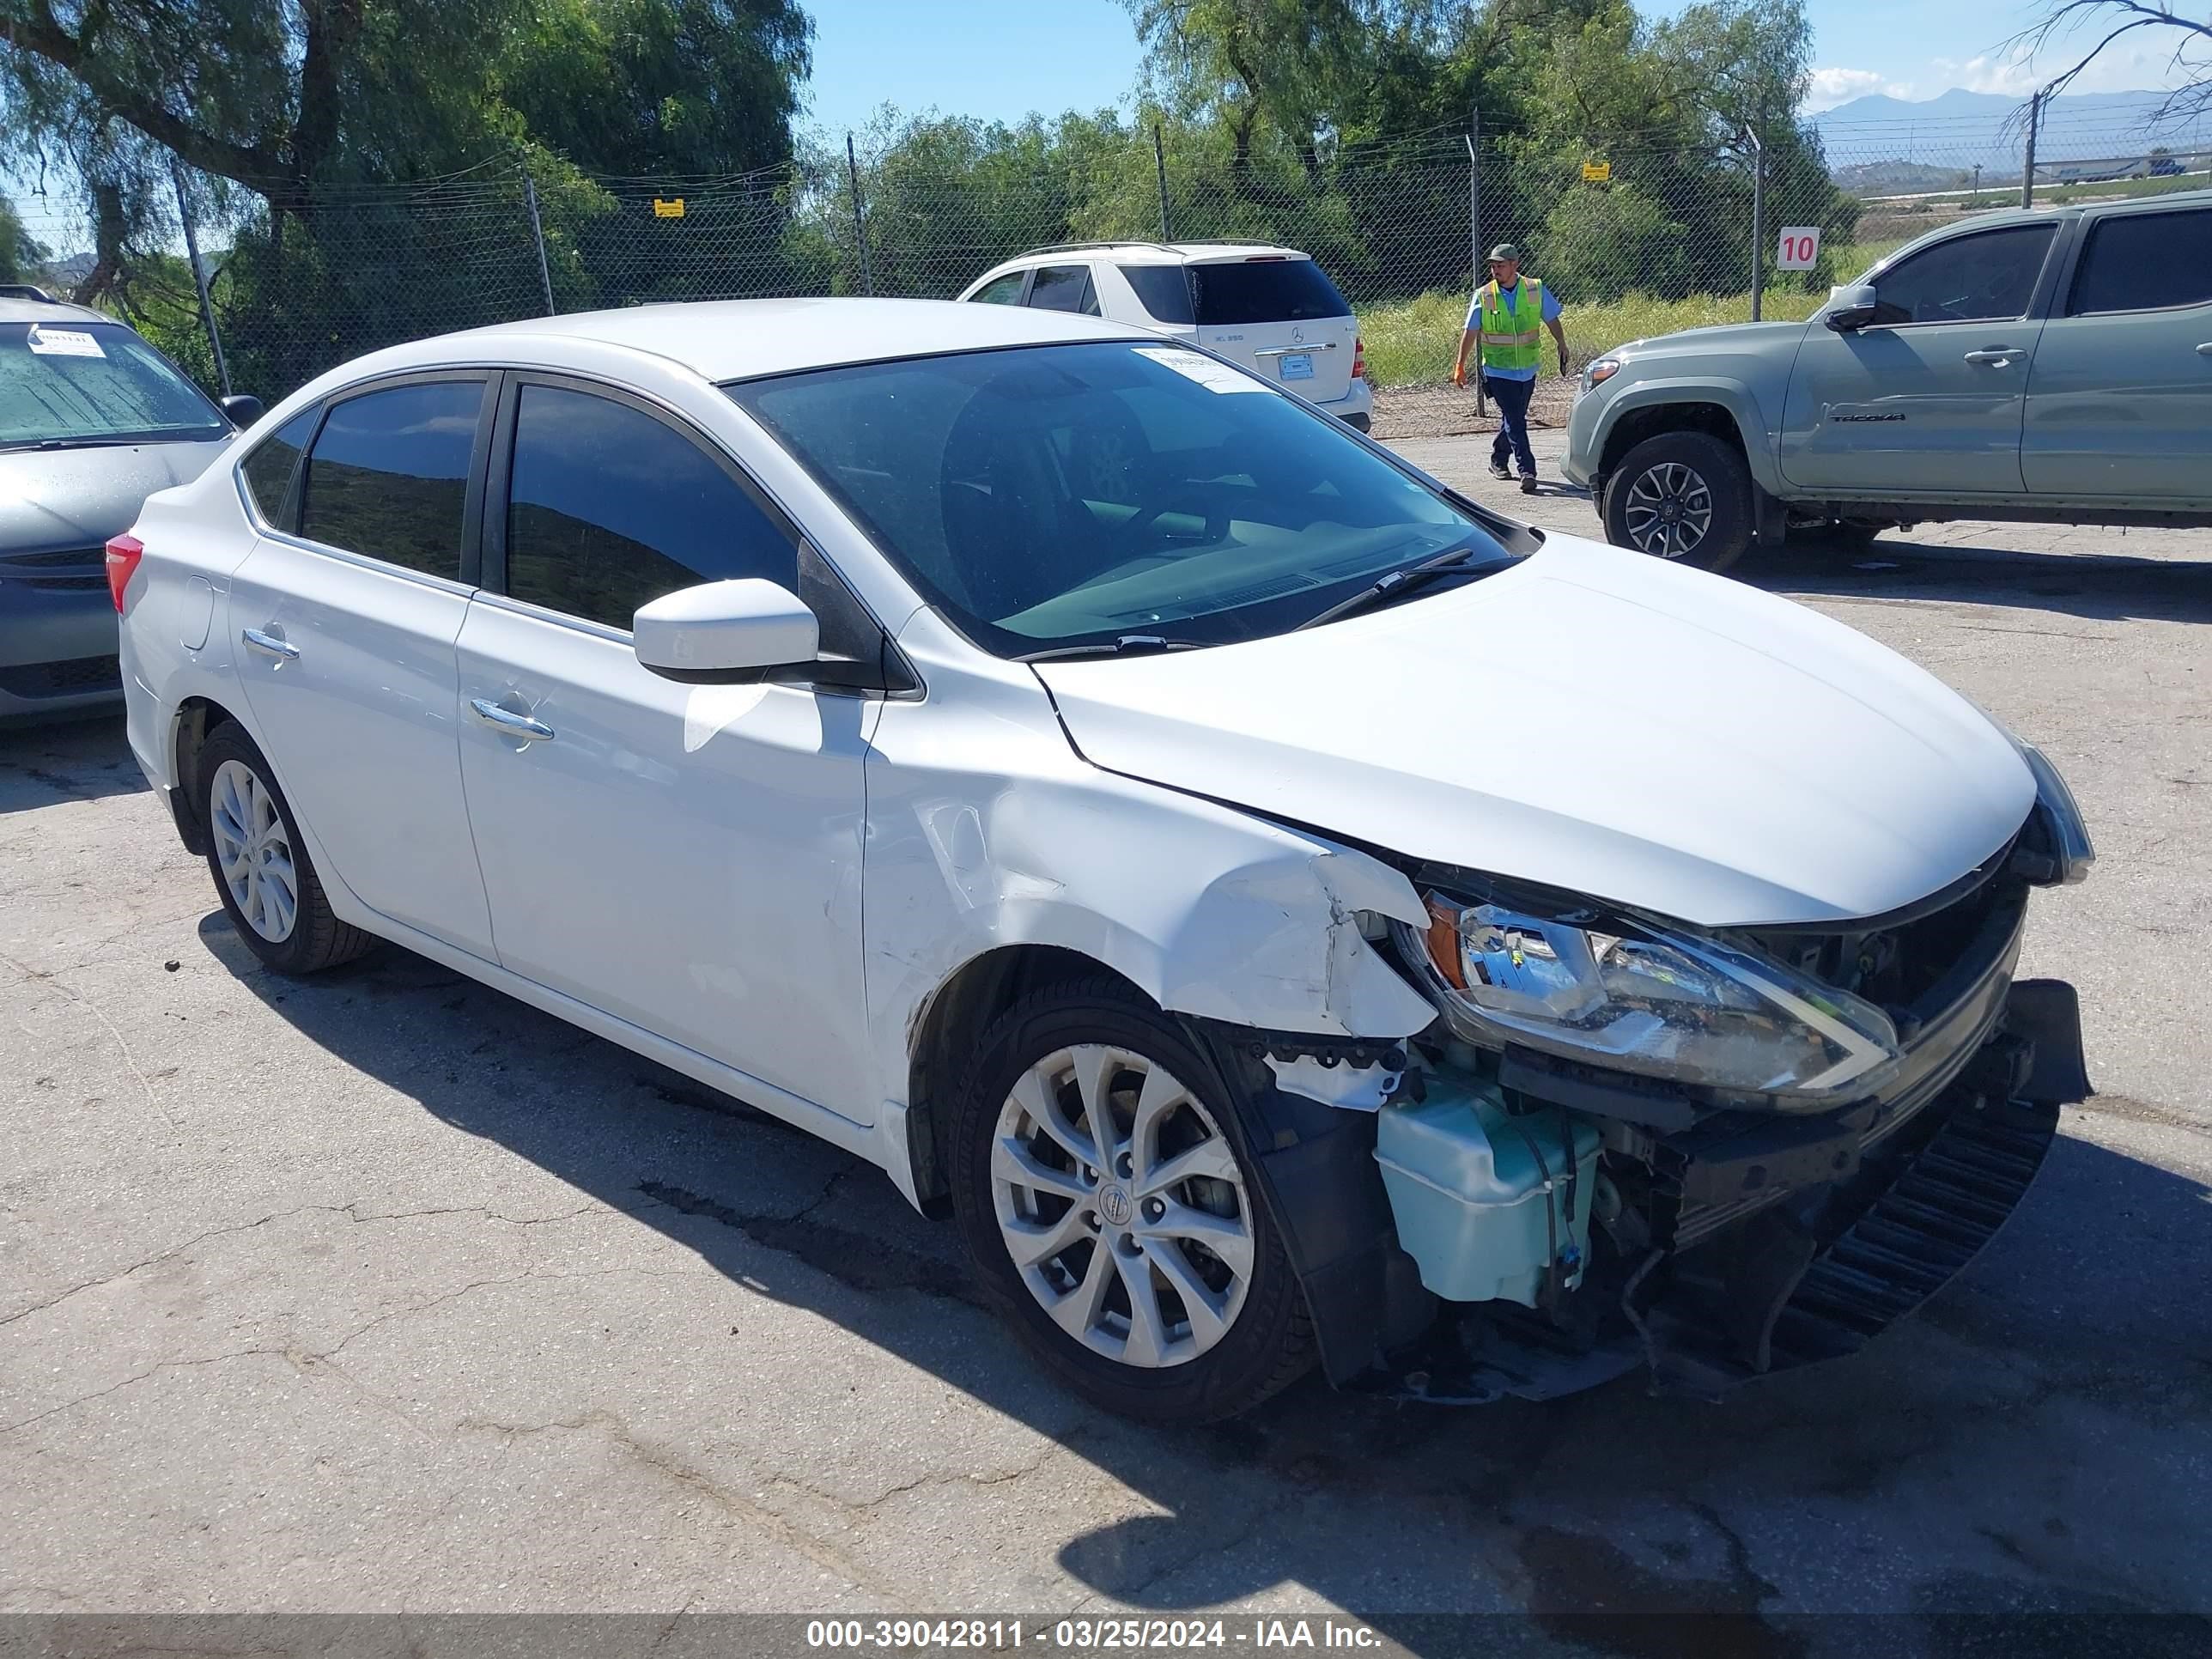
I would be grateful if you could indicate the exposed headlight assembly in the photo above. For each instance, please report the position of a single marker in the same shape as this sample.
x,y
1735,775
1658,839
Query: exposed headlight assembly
x,y
1642,997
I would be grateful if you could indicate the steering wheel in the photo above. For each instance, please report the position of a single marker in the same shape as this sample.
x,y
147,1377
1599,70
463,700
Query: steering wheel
x,y
1213,511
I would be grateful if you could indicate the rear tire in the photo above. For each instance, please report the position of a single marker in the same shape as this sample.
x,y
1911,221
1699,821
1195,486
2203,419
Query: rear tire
x,y
262,874
1100,1218
1684,496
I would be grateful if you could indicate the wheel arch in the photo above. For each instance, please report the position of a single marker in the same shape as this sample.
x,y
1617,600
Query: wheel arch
x,y
945,1027
1725,410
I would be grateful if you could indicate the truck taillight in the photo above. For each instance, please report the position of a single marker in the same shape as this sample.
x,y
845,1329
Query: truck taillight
x,y
124,553
1358,358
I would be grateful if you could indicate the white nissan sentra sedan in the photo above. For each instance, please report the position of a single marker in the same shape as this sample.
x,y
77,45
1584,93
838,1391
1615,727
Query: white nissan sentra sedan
x,y
1283,912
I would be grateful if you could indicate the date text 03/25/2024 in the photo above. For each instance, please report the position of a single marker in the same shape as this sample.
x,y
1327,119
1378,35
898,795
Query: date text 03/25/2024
x,y
1086,1635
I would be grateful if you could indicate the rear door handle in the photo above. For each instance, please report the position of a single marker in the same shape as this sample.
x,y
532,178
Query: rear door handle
x,y
2000,354
506,720
2205,350
282,649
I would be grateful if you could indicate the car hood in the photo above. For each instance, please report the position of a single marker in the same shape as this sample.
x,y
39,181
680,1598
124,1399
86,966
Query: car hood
x,y
69,498
1592,720
1744,336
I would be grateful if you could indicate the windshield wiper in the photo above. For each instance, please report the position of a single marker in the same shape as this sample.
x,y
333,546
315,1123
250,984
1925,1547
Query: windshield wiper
x,y
1129,645
75,443
1393,584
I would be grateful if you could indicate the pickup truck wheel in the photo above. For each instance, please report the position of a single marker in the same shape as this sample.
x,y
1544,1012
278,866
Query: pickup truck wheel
x,y
1684,496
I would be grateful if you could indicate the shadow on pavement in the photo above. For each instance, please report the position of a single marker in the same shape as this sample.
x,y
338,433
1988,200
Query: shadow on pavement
x,y
59,761
1612,1502
2102,588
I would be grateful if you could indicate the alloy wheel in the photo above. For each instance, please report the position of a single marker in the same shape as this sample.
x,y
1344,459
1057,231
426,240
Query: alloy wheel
x,y
253,851
1122,1206
1670,510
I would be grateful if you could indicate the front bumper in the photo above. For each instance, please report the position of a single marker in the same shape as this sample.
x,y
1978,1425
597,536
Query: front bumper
x,y
57,652
1858,1231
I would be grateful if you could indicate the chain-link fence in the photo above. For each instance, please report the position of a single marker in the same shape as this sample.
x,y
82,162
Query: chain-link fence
x,y
1635,241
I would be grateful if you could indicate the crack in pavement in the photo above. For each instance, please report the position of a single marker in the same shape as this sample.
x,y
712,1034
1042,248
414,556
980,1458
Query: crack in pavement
x,y
346,1210
305,1361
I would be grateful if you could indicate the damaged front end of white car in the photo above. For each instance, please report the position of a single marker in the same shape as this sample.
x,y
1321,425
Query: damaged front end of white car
x,y
1627,1143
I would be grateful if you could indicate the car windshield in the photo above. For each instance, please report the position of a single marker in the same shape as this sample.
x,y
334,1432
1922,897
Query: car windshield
x,y
64,385
1050,497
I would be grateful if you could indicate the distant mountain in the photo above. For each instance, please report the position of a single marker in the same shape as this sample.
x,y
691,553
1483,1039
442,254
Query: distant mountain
x,y
1961,128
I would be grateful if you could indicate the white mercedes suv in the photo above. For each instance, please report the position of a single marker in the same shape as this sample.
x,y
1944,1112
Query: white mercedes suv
x,y
1272,309
1191,847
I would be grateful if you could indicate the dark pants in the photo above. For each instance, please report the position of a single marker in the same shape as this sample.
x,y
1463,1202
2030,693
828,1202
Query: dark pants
x,y
1511,398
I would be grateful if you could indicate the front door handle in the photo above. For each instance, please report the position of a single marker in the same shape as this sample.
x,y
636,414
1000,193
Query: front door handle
x,y
506,720
1999,354
2205,350
282,649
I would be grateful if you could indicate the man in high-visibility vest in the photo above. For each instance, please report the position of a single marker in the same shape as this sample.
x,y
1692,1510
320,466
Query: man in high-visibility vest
x,y
1503,328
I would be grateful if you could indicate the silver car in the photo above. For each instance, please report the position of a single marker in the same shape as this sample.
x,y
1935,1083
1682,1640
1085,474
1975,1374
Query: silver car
x,y
93,420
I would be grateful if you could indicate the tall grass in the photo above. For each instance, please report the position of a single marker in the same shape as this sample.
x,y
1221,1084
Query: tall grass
x,y
1412,343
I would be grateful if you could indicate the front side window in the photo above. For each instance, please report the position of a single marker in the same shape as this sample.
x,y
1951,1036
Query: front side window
x,y
2145,262
608,509
75,384
1064,288
1163,291
1065,495
1986,278
1264,290
268,469
1004,290
388,477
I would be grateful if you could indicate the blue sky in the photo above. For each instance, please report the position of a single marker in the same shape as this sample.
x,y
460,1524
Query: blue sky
x,y
1004,57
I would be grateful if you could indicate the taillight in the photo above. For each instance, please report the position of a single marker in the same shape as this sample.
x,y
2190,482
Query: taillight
x,y
1358,358
124,553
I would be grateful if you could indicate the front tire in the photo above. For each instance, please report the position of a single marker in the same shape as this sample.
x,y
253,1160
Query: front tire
x,y
1684,496
1104,1192
262,874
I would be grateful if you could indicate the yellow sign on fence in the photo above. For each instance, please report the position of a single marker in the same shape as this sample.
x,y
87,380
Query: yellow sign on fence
x,y
668,209
1597,173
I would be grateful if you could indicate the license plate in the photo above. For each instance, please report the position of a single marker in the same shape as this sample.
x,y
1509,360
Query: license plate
x,y
1298,368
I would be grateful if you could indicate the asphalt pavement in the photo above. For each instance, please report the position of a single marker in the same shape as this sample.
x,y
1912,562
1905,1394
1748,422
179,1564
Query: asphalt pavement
x,y
382,1292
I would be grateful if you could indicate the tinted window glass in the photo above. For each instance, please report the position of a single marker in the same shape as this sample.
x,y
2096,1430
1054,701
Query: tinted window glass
x,y
1265,291
608,508
1066,496
2143,261
75,381
268,469
1063,287
1988,277
1163,291
389,475
1006,291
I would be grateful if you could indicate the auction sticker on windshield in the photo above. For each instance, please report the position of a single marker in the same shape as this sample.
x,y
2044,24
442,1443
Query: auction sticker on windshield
x,y
1193,365
63,343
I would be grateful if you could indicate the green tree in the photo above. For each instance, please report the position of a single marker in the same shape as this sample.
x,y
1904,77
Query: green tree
x,y
19,254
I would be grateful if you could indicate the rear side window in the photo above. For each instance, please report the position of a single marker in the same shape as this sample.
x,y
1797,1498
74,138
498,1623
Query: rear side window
x,y
1163,291
1006,291
268,469
2145,262
608,508
1982,278
389,475
1064,288
1265,291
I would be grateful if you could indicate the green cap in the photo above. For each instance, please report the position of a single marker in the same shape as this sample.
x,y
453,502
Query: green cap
x,y
1504,251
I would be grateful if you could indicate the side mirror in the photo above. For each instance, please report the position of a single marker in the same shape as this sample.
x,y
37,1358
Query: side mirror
x,y
243,409
725,633
1851,305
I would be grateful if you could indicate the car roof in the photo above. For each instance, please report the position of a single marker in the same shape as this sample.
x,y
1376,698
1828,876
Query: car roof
x,y
13,310
1151,253
740,339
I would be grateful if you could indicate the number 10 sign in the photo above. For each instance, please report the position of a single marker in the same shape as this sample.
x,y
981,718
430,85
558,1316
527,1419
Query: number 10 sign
x,y
1800,248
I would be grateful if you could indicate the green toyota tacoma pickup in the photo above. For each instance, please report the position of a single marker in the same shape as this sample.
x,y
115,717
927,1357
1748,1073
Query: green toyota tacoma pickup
x,y
2053,365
